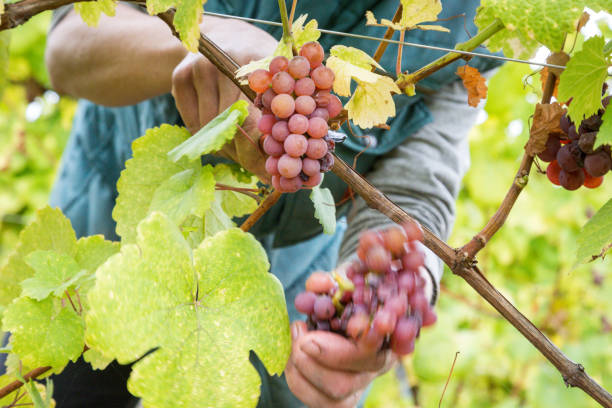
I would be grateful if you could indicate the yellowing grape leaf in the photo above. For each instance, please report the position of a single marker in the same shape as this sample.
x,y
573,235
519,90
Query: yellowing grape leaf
x,y
325,208
46,333
348,63
583,79
372,103
304,33
90,11
245,70
474,83
414,12
201,312
214,135
596,236
186,20
604,136
545,121
50,230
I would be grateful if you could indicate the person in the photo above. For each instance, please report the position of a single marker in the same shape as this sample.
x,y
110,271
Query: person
x,y
131,74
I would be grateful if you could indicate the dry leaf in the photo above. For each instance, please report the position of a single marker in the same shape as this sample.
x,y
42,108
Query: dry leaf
x,y
474,83
545,121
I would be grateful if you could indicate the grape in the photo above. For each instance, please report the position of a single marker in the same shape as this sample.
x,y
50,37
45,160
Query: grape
x,y
572,134
323,325
385,292
592,123
322,98
316,148
304,302
272,147
327,162
323,77
597,164
313,181
324,307
283,83
413,231
592,182
283,106
406,282
299,67
586,141
313,52
311,166
398,304
378,259
406,329
429,318
552,172
565,123
418,303
566,159
320,113
265,123
276,182
606,101
413,260
272,166
357,325
280,131
278,64
260,80
304,87
288,166
319,282
305,105
296,145
571,180
317,128
369,239
298,124
334,106
290,185
394,239
553,144
402,349
266,98
371,340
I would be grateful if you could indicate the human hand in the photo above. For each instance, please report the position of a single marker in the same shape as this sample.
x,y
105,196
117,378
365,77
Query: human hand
x,y
326,370
201,91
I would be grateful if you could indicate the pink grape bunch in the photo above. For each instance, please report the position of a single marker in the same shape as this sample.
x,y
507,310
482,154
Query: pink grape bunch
x,y
381,303
573,161
296,102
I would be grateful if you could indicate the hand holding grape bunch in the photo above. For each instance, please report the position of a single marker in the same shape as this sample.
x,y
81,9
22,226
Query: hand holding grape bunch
x,y
295,99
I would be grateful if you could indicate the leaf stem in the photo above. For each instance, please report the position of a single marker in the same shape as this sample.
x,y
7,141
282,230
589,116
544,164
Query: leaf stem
x,y
400,47
287,37
264,206
382,47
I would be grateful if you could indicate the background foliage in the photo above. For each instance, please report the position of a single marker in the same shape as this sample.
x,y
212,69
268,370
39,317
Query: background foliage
x,y
530,259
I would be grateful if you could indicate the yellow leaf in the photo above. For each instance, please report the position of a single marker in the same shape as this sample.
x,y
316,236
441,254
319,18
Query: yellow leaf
x,y
414,12
372,103
432,28
245,70
344,71
304,33
370,19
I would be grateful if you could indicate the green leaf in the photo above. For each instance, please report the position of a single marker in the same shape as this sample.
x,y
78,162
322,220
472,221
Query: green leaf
x,y
596,235
50,230
53,273
214,135
149,167
26,398
583,79
372,103
532,23
325,208
90,11
44,333
413,13
235,204
604,136
201,311
93,251
96,359
5,40
34,391
189,192
304,33
186,21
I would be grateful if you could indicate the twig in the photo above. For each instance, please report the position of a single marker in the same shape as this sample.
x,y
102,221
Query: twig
x,y
245,191
382,47
250,139
400,47
15,385
292,13
264,206
448,379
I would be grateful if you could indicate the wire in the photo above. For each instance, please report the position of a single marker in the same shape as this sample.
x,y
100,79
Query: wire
x,y
409,44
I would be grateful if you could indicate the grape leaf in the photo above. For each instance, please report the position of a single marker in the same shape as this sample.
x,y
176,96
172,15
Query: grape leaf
x,y
201,310
235,204
1,6
532,23
214,135
53,273
413,13
583,79
189,192
90,11
348,63
50,230
474,83
36,391
596,235
44,333
96,359
186,20
304,33
372,103
604,136
545,121
5,39
24,398
325,208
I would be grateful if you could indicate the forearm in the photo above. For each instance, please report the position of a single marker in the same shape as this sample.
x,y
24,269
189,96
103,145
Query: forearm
x,y
125,60
422,175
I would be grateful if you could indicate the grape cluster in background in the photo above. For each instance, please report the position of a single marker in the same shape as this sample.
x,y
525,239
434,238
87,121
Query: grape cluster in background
x,y
573,161
296,102
381,302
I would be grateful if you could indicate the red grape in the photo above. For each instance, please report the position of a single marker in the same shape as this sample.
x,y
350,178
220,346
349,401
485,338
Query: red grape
x,y
323,77
571,180
298,123
320,113
290,185
316,148
357,325
384,322
272,166
552,172
317,128
598,163
334,106
283,106
553,144
260,80
592,182
304,87
304,302
394,239
280,130
282,83
310,167
296,145
299,67
272,147
313,52
265,123
413,231
313,181
319,282
305,105
378,259
278,63
288,166
266,98
324,307
413,260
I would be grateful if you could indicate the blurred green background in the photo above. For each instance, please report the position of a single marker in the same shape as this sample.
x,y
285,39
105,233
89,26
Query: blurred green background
x,y
530,260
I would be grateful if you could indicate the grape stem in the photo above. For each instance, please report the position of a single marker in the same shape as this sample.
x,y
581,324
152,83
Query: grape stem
x,y
382,47
245,191
287,38
263,207
448,379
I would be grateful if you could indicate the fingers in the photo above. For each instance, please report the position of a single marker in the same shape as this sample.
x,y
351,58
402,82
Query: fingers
x,y
334,351
185,95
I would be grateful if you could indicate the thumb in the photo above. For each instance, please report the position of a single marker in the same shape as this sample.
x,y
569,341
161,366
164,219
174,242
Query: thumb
x,y
297,329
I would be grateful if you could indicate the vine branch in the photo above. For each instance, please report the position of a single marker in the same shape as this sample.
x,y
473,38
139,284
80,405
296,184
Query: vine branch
x,y
263,207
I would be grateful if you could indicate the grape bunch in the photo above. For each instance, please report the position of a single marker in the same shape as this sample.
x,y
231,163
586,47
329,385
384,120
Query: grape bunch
x,y
573,161
380,302
296,102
